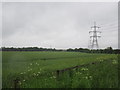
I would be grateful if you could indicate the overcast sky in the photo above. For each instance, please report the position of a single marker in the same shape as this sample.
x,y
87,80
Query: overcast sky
x,y
58,25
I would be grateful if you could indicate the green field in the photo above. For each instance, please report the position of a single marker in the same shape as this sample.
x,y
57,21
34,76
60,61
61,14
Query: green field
x,y
38,70
0,70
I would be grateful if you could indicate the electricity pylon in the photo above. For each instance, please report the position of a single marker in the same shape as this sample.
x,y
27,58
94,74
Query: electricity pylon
x,y
94,37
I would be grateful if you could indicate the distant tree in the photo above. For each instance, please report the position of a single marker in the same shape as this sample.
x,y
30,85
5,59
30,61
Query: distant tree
x,y
109,50
70,49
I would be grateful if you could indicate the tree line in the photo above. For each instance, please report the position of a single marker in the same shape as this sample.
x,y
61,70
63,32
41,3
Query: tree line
x,y
28,49
108,50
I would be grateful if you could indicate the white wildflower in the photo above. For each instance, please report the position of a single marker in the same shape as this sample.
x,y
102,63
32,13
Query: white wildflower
x,y
54,77
39,72
86,77
84,69
114,61
24,72
34,73
20,83
90,77
21,73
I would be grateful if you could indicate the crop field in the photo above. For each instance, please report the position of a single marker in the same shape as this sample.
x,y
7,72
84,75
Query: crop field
x,y
37,69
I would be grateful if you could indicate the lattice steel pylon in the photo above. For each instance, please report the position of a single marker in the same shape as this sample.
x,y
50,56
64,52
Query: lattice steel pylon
x,y
94,37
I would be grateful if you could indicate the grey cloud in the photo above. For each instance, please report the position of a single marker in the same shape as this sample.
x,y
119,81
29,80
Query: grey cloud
x,y
60,25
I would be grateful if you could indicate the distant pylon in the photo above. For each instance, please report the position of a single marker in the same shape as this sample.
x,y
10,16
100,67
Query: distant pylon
x,y
93,44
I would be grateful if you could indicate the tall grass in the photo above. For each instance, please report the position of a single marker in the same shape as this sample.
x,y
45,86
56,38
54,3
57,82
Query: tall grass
x,y
37,70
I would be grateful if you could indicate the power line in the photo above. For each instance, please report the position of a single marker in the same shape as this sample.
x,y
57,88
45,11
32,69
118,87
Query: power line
x,y
110,25
111,22
115,28
109,30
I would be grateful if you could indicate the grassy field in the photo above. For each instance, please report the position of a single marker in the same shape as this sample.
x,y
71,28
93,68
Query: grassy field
x,y
0,69
37,70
